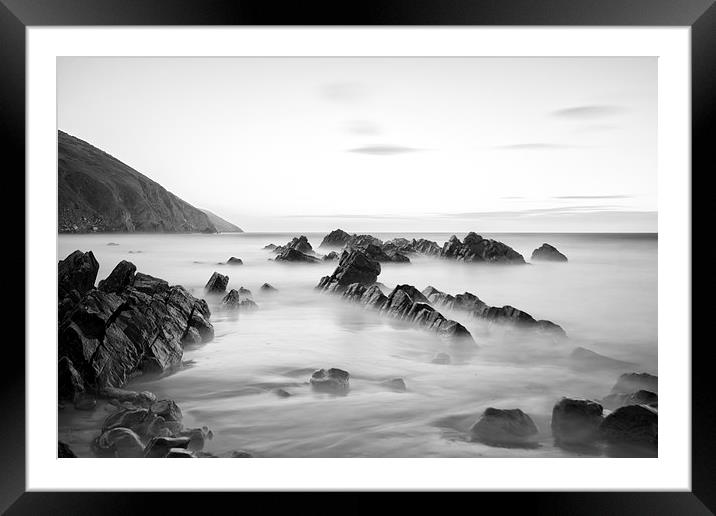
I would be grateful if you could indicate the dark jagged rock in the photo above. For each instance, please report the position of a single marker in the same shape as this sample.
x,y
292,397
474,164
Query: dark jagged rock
x,y
399,258
293,255
76,272
576,421
299,244
216,284
470,303
361,241
331,256
160,447
373,297
336,238
547,253
64,451
353,267
632,382
633,424
504,427
234,261
97,192
641,397
427,247
70,383
477,249
118,442
441,358
239,299
583,358
121,277
109,336
394,384
166,409
143,421
268,288
334,381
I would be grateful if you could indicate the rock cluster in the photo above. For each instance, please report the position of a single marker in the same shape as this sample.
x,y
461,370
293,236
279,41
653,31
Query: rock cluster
x,y
333,381
547,253
239,299
505,427
294,255
353,267
300,244
133,323
216,284
470,303
474,248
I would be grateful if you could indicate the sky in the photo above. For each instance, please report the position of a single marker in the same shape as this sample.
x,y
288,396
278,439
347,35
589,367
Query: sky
x,y
382,144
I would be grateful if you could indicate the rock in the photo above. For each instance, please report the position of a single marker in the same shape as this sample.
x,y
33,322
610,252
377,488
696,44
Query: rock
x,y
427,247
504,427
394,384
353,267
270,247
197,438
334,381
547,253
641,397
361,241
373,297
76,272
583,358
234,261
576,421
118,442
112,243
374,252
633,425
268,288
336,238
331,256
240,454
441,358
121,277
70,383
64,451
477,249
293,255
166,409
159,447
299,244
179,453
139,420
282,393
85,402
217,284
399,258
632,382
239,299
141,399
192,337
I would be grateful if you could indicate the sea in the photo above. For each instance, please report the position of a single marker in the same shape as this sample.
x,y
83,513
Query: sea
x,y
605,298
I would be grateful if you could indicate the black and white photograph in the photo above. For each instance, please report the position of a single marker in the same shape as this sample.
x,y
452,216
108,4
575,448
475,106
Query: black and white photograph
x,y
393,257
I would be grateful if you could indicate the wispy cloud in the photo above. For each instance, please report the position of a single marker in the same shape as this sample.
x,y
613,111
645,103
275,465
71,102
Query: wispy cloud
x,y
588,112
384,150
534,146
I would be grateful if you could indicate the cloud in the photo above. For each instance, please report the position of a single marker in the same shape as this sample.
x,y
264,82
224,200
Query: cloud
x,y
588,111
593,197
383,150
534,146
362,127
347,92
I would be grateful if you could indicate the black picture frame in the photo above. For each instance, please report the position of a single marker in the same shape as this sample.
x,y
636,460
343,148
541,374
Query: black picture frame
x,y
17,15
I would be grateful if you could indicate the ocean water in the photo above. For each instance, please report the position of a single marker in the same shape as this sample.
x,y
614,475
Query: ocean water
x,y
605,298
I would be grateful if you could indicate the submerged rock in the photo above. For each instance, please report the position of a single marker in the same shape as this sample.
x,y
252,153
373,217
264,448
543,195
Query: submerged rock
x,y
270,247
293,255
234,261
547,253
239,299
504,427
632,382
441,358
641,397
336,238
217,283
576,421
633,424
586,358
477,249
334,381
394,384
268,288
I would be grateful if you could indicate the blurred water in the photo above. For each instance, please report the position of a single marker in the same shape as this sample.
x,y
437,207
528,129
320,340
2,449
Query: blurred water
x,y
605,298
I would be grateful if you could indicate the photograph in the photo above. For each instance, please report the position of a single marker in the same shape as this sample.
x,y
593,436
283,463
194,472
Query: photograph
x,y
344,257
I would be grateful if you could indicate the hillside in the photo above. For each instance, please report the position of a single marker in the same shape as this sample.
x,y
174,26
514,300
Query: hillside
x,y
97,192
221,225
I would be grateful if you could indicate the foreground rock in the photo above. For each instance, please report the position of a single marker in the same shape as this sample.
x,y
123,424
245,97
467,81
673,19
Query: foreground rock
x,y
217,284
239,299
632,382
77,273
293,255
353,267
576,421
547,253
477,249
470,303
641,397
632,425
120,278
333,381
107,337
505,427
